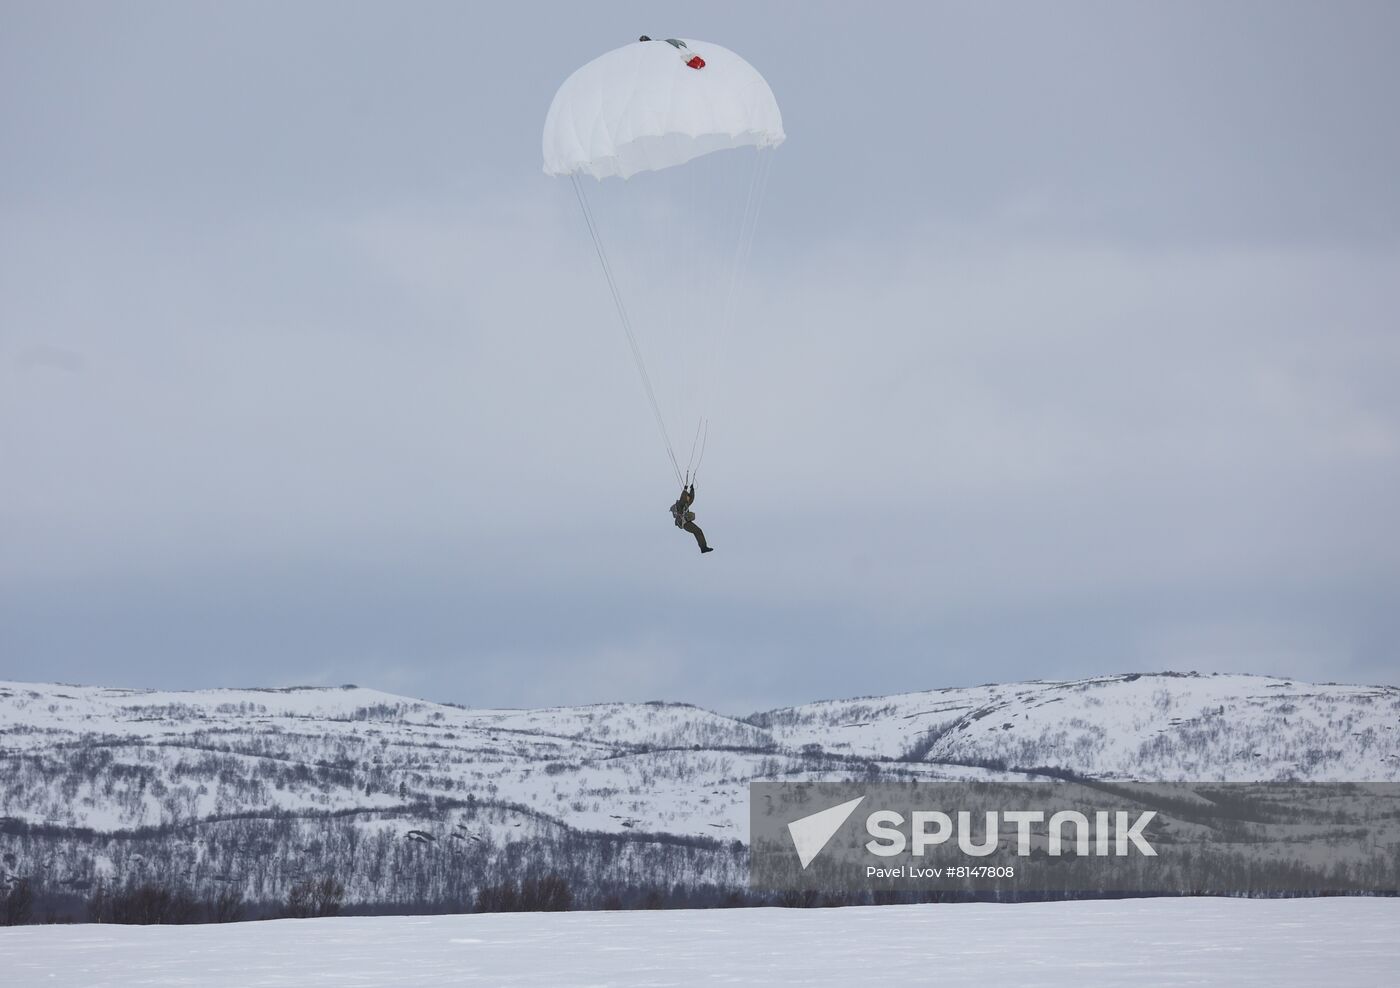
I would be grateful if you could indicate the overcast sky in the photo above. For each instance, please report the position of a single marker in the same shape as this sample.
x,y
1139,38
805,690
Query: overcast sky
x,y
1069,345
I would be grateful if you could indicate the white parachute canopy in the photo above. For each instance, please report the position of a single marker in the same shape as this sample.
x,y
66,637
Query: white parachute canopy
x,y
644,107
690,125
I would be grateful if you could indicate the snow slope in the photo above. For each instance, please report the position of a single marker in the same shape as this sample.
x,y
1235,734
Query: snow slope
x,y
229,788
661,767
612,767
1157,942
1156,727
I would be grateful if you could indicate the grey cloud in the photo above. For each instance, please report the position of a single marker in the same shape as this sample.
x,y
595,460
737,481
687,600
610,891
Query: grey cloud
x,y
48,357
1068,347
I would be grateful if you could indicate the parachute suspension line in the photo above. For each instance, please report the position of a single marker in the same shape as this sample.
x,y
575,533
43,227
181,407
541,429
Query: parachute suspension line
x,y
712,355
702,437
626,322
703,441
753,205
726,275
758,187
693,363
765,171
690,465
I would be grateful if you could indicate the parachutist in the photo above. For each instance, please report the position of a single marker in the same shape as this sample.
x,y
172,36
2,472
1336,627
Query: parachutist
x,y
685,518
639,108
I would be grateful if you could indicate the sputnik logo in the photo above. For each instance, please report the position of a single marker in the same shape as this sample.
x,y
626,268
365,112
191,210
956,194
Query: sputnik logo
x,y
811,833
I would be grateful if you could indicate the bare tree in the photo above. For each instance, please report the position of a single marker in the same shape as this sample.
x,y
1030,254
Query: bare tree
x,y
17,905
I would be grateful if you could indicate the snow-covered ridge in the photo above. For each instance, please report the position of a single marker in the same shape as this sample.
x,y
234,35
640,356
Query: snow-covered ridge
x,y
414,804
1162,726
126,758
97,709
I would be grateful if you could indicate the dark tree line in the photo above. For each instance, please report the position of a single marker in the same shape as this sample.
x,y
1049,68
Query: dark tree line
x,y
17,904
550,894
315,897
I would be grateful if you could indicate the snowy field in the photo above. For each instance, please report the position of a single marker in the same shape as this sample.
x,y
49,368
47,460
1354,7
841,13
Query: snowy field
x,y
1147,942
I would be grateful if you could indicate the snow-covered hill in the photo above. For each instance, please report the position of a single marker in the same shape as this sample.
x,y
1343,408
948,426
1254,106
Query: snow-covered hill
x,y
237,785
661,767
1151,727
131,758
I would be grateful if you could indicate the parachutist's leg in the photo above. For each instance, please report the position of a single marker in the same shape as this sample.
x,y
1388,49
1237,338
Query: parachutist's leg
x,y
694,530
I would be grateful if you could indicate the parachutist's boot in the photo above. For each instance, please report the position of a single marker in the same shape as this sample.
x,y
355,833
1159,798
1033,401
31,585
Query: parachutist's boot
x,y
708,548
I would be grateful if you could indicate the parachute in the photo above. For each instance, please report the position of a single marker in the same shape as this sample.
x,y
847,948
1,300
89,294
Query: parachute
x,y
678,135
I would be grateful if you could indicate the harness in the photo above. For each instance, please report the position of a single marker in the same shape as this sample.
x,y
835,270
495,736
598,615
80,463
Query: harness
x,y
680,512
